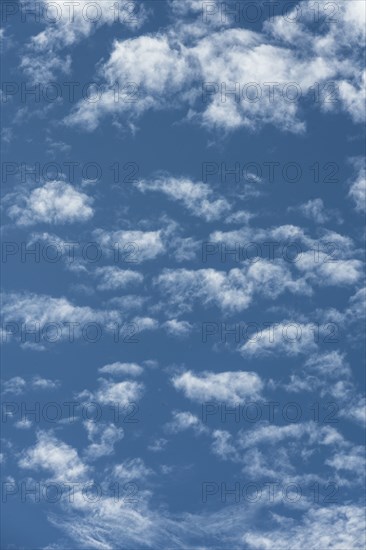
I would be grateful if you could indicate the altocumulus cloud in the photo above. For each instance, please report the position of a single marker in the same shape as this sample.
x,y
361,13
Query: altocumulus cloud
x,y
223,386
56,202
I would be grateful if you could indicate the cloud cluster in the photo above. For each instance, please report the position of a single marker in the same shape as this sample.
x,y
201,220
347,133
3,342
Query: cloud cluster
x,y
56,202
227,387
223,76
197,197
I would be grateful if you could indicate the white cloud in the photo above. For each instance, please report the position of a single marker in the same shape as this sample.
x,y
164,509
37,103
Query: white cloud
x,y
150,66
145,323
314,210
331,365
321,527
114,278
357,190
23,424
343,246
327,373
232,290
353,97
132,246
357,303
149,61
230,387
356,410
42,68
128,302
158,445
55,202
129,369
222,446
288,337
321,269
240,217
132,469
18,385
273,435
44,384
66,24
185,6
197,197
177,328
185,249
183,421
352,460
54,456
14,385
170,67
113,393
321,262
54,315
103,437
241,56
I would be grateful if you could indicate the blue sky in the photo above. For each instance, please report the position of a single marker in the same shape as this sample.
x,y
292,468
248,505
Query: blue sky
x,y
183,198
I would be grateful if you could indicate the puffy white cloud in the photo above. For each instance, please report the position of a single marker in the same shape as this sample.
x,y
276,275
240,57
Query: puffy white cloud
x,y
185,6
177,328
272,435
314,210
146,69
357,190
42,68
129,369
103,437
70,23
56,202
330,365
145,323
321,269
14,385
338,45
44,384
357,305
232,290
327,373
283,235
23,424
149,61
240,217
128,302
321,262
353,95
356,410
132,246
18,385
288,337
114,278
132,469
170,67
231,387
222,445
185,249
56,457
197,197
321,527
113,393
29,308
183,421
246,60
157,445
352,460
